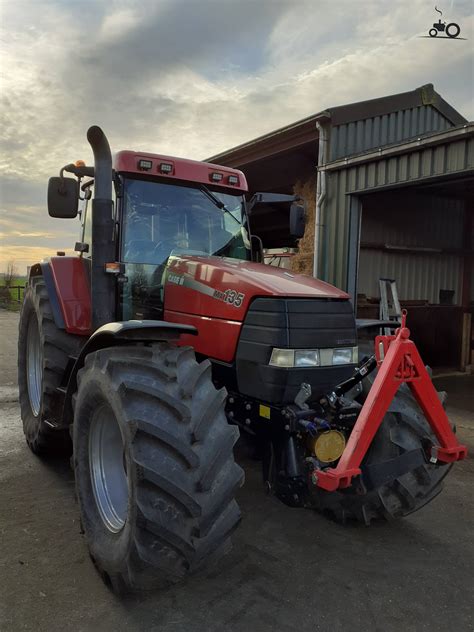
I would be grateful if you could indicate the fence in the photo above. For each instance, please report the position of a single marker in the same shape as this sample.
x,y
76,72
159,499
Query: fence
x,y
11,296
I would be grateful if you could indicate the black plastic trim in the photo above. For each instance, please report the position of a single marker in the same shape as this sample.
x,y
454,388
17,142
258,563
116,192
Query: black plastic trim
x,y
370,323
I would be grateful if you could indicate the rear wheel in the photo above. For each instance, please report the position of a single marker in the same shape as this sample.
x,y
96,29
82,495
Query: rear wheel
x,y
43,355
453,29
398,480
153,458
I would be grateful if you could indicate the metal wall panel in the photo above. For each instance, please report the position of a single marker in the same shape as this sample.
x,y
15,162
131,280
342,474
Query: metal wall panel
x,y
418,276
352,138
413,221
453,156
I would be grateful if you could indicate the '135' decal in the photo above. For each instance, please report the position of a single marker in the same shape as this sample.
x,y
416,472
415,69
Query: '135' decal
x,y
230,296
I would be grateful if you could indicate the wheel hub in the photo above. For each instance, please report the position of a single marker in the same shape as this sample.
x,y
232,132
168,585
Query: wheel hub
x,y
108,469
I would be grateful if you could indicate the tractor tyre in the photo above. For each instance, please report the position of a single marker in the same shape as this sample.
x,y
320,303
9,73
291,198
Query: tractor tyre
x,y
153,457
453,29
392,494
43,355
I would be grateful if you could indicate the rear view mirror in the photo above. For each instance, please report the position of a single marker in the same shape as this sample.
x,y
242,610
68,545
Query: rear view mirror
x,y
297,220
63,197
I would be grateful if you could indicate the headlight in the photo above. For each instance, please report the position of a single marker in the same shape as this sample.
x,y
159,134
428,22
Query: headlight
x,y
283,358
288,358
342,356
307,357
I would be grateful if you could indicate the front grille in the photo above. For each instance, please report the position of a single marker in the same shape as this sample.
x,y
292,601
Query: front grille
x,y
297,324
300,323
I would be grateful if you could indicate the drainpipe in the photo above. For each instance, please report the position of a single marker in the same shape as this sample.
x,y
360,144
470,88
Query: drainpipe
x,y
322,126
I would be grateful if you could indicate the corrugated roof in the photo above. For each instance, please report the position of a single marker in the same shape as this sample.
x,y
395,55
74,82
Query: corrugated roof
x,y
304,131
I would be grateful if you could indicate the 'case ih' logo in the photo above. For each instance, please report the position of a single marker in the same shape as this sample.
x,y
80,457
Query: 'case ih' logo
x,y
176,278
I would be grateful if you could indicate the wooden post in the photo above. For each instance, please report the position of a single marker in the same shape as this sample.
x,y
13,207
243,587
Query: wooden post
x,y
467,265
466,341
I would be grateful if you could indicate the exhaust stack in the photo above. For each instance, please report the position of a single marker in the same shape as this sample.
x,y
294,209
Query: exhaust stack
x,y
103,244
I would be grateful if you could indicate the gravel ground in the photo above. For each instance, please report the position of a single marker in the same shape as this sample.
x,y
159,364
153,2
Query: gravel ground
x,y
290,569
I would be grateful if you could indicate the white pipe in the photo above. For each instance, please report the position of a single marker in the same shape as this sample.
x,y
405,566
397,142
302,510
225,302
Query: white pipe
x,y
320,192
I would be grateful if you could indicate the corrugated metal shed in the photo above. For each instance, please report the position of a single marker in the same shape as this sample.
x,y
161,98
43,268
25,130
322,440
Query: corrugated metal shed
x,y
278,160
448,154
356,127
394,198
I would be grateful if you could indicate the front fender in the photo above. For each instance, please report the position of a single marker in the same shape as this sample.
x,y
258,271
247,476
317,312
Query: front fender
x,y
121,333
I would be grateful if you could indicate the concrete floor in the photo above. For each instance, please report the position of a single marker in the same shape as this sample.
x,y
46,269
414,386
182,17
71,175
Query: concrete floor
x,y
290,569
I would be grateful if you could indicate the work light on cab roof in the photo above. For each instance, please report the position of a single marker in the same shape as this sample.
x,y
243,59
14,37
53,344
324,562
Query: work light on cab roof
x,y
156,165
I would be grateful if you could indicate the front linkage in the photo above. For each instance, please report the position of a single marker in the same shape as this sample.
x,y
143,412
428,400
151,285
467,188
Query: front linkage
x,y
398,362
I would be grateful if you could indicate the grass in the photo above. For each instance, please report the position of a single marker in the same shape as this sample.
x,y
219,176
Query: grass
x,y
9,300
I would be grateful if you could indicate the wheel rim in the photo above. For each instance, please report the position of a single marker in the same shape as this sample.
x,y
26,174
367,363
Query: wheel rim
x,y
34,363
107,467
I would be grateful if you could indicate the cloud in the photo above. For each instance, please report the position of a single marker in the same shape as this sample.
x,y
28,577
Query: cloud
x,y
194,78
24,256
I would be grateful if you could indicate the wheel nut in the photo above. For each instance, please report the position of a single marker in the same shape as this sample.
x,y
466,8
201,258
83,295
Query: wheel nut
x,y
248,422
248,406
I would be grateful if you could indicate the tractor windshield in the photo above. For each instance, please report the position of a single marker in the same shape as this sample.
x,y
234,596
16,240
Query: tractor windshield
x,y
160,219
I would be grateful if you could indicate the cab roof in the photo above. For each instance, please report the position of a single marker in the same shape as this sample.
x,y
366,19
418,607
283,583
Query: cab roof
x,y
158,165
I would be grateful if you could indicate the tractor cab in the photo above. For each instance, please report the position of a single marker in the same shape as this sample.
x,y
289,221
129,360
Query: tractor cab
x,y
166,206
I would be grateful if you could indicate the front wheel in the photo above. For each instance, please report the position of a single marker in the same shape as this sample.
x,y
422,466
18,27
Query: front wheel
x,y
433,32
153,458
398,479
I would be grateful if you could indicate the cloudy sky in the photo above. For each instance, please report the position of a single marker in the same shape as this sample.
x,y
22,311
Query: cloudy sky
x,y
192,78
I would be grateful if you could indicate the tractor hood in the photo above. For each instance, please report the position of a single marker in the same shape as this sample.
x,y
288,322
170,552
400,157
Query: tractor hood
x,y
221,288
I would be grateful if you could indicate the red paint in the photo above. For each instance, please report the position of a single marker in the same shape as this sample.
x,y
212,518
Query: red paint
x,y
73,289
183,169
220,336
250,279
218,322
400,363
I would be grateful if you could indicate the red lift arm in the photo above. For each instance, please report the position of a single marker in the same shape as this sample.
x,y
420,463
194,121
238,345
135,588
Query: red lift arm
x,y
399,361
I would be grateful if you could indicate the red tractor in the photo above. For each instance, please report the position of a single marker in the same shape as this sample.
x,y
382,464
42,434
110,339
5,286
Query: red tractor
x,y
166,334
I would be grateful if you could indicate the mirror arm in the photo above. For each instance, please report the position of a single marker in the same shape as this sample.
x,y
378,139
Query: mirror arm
x,y
260,251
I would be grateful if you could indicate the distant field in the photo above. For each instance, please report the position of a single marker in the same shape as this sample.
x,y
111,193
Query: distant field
x,y
13,300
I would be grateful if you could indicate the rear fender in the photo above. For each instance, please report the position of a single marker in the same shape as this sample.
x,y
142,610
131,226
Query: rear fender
x,y
121,333
44,269
68,285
